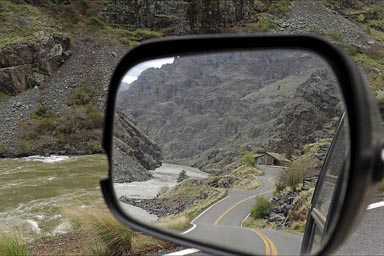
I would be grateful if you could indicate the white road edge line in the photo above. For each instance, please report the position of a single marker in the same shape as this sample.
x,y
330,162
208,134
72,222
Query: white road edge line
x,y
183,252
190,251
241,225
198,216
375,205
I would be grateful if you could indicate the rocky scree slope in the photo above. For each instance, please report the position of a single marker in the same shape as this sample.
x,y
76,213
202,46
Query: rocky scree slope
x,y
133,152
217,106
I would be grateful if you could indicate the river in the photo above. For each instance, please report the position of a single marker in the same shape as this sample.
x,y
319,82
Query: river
x,y
35,190
163,177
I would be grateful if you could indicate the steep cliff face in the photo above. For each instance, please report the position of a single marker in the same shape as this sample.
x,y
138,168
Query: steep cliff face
x,y
24,66
232,102
133,152
174,17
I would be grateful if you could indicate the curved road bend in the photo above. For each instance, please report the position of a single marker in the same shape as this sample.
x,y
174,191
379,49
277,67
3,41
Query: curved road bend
x,y
221,223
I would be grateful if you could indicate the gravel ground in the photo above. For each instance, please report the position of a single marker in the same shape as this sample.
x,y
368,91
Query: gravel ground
x,y
313,16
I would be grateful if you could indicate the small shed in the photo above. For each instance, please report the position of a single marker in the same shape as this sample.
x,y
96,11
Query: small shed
x,y
270,158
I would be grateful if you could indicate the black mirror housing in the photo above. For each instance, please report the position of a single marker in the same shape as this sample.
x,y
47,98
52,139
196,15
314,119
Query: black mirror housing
x,y
366,166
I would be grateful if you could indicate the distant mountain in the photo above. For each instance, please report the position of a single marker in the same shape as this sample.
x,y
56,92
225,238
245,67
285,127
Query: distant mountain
x,y
276,100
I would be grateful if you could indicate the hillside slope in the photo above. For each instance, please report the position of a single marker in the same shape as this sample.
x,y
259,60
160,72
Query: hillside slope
x,y
95,38
276,101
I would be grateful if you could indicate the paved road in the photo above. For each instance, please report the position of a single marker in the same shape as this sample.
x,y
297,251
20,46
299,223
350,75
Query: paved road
x,y
368,239
221,223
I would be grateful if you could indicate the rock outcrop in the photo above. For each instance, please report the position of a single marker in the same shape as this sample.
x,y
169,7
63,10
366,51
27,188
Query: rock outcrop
x,y
177,17
133,153
233,102
28,65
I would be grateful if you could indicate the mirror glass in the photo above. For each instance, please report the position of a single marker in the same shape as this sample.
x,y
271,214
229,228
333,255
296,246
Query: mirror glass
x,y
227,148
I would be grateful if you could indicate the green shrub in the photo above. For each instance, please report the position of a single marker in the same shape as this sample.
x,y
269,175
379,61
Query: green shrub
x,y
351,50
128,41
96,23
262,208
42,112
290,178
337,36
144,34
81,95
3,95
23,148
46,125
279,7
67,126
95,117
95,147
3,148
248,159
360,18
265,23
182,176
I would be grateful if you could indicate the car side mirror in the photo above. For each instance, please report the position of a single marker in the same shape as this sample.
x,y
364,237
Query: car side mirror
x,y
241,144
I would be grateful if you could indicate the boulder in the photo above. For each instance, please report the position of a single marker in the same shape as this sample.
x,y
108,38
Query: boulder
x,y
28,65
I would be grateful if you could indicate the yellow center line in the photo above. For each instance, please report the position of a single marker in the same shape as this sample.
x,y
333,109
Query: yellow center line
x,y
266,244
270,179
242,201
237,204
270,248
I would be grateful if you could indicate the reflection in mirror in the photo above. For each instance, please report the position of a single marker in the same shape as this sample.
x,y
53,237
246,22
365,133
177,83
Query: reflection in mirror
x,y
226,148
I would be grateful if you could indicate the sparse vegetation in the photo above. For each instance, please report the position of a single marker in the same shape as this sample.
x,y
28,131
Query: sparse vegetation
x,y
144,34
298,214
265,23
3,95
23,148
77,128
258,223
81,95
133,37
96,23
246,177
304,166
280,7
21,23
42,112
336,36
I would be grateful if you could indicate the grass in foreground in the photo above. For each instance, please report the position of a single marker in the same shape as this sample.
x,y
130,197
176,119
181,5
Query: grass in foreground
x,y
12,245
96,232
115,236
